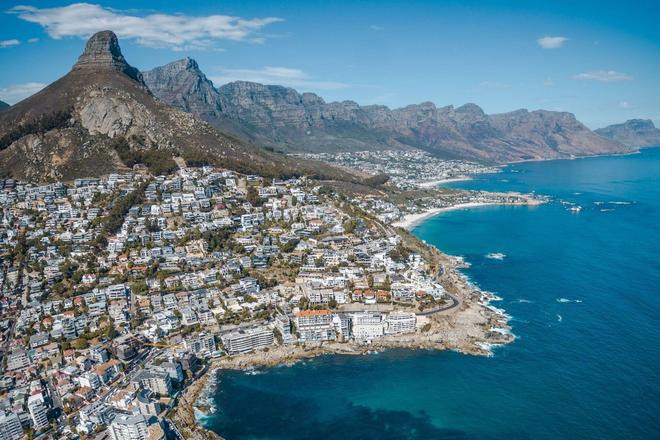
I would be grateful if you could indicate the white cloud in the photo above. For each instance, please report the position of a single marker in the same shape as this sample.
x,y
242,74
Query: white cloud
x,y
176,31
603,76
624,104
283,76
548,42
9,43
33,40
17,92
374,27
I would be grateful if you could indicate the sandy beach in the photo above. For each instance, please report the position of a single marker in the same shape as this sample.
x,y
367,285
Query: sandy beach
x,y
434,183
411,220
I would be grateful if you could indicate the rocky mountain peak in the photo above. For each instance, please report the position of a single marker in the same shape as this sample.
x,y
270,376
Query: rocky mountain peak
x,y
188,64
640,123
470,109
633,132
102,52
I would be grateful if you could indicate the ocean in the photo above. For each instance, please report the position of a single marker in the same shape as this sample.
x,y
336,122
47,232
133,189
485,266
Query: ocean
x,y
583,292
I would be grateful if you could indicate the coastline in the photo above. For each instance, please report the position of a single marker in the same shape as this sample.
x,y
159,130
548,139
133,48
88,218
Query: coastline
x,y
472,327
434,183
411,220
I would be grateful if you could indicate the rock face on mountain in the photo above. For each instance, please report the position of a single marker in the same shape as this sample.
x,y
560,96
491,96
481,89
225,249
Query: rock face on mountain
x,y
633,133
3,105
102,52
75,126
182,85
284,119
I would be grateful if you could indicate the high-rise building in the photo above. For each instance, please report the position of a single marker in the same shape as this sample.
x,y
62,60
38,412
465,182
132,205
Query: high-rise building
x,y
38,411
247,339
10,426
129,427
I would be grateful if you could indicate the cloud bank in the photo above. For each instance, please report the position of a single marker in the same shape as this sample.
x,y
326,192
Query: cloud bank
x,y
9,43
548,42
603,76
17,92
174,31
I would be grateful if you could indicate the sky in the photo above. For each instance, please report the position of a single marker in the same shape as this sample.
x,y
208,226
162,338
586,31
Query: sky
x,y
599,60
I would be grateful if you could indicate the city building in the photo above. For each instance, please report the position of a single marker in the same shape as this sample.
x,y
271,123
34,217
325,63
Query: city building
x,y
247,339
10,426
314,325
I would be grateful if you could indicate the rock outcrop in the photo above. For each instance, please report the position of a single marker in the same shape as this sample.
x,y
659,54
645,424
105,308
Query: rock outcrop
x,y
633,133
284,119
102,52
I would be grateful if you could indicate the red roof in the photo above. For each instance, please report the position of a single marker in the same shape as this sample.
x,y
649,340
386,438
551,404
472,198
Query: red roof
x,y
313,312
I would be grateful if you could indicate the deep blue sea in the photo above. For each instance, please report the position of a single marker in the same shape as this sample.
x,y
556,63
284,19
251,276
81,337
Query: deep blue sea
x,y
583,291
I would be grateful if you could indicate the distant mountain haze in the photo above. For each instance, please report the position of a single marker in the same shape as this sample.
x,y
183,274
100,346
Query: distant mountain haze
x,y
3,105
101,117
633,133
284,119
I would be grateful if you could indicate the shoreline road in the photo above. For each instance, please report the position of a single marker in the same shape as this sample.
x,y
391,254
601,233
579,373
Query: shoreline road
x,y
454,303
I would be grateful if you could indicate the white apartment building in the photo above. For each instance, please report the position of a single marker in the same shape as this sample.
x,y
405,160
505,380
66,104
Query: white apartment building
x,y
10,426
400,322
129,427
247,339
367,326
38,411
315,325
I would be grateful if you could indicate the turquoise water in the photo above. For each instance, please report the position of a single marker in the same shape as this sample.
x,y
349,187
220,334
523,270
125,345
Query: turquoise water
x,y
583,290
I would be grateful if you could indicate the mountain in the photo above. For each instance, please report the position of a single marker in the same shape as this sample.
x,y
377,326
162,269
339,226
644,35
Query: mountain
x,y
3,105
633,133
101,117
284,119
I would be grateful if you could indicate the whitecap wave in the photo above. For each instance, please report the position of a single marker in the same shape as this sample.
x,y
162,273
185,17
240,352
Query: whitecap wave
x,y
496,256
524,301
559,318
566,300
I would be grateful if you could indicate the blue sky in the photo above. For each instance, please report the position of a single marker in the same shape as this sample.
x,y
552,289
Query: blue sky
x,y
599,60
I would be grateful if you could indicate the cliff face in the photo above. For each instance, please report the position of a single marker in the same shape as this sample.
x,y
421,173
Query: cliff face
x,y
67,129
633,133
282,118
288,119
183,86
303,122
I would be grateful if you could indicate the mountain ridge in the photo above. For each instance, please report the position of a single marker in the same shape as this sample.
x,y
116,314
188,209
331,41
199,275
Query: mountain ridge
x,y
282,118
633,133
101,118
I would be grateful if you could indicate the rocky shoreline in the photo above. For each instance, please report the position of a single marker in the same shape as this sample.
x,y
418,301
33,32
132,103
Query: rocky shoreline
x,y
472,327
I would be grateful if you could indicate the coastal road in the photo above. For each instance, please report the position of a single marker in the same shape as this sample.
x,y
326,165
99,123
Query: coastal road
x,y
454,303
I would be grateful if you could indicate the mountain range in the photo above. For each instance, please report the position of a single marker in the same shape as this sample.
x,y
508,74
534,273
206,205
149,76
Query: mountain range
x,y
101,117
3,105
284,119
106,116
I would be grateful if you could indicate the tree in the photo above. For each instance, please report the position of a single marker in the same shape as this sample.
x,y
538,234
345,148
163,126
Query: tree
x,y
253,196
80,344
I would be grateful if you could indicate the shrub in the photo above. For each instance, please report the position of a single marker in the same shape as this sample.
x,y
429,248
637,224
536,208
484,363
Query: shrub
x,y
40,125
